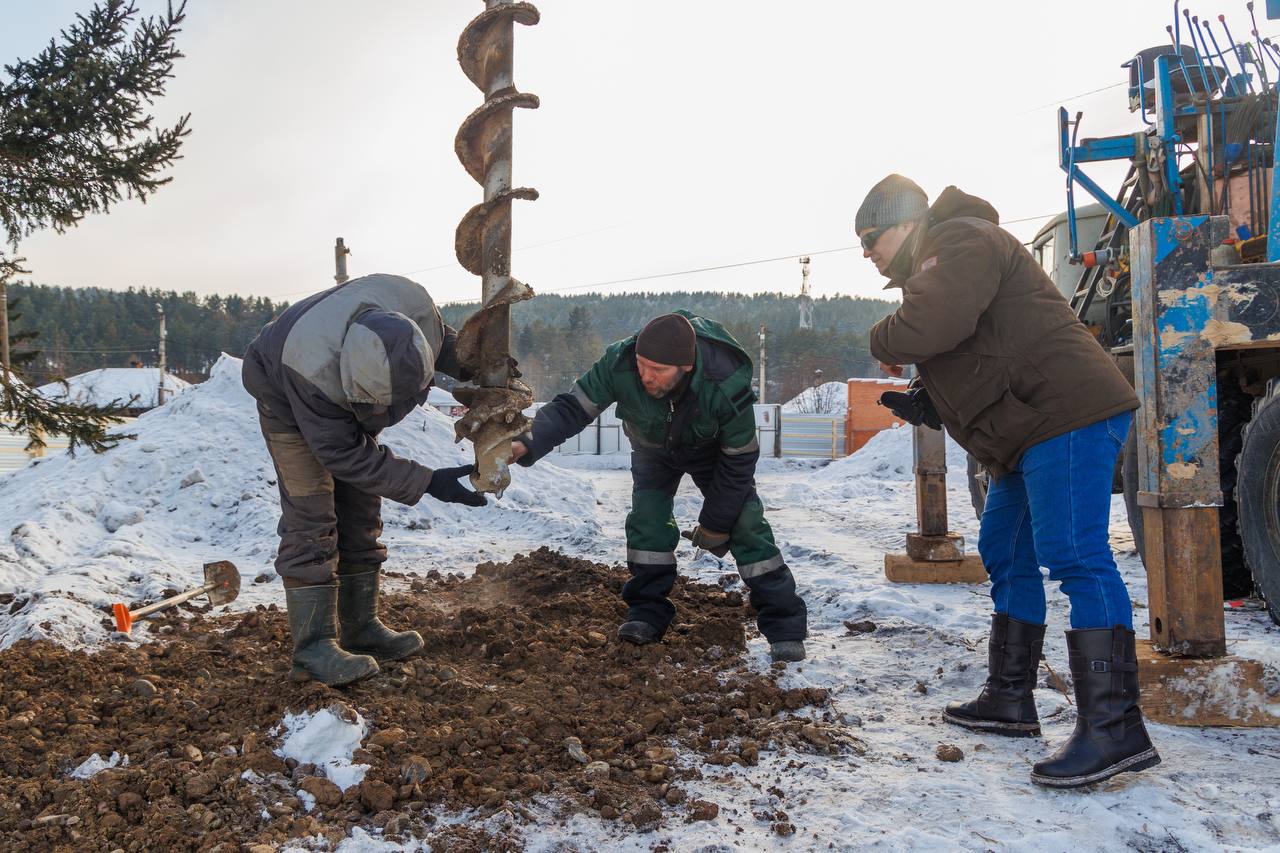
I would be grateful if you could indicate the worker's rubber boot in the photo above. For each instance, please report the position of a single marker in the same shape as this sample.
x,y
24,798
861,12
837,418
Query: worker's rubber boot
x,y
1006,705
1110,736
787,651
314,626
360,631
639,633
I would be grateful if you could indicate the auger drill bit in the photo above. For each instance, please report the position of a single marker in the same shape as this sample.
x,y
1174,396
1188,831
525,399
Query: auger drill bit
x,y
497,398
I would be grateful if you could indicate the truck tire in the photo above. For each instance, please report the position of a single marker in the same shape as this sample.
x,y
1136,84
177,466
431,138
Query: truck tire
x,y
977,486
1257,491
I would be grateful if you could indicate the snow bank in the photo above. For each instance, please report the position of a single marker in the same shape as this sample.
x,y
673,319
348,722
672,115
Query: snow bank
x,y
327,739
829,398
120,385
196,486
887,456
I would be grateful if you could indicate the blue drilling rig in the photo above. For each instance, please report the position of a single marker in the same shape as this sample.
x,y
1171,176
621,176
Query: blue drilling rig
x,y
1183,287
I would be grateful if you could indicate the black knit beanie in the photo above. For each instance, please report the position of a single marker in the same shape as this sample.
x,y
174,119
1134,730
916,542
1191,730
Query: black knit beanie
x,y
668,339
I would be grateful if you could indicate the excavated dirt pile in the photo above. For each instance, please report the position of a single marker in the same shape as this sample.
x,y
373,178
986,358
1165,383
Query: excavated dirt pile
x,y
522,695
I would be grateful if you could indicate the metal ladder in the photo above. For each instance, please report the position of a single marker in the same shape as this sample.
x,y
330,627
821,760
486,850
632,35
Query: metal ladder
x,y
1110,242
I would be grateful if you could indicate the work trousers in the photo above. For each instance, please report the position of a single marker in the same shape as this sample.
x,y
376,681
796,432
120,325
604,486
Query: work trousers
x,y
1053,510
652,536
322,520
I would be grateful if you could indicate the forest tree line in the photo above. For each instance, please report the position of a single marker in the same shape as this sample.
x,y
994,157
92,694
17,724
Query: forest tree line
x,y
62,331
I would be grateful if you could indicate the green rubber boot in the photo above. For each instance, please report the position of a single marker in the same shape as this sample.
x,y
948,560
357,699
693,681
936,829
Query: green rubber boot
x,y
313,624
361,632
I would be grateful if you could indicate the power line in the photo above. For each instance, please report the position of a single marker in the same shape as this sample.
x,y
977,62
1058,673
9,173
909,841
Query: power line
x,y
1074,97
697,270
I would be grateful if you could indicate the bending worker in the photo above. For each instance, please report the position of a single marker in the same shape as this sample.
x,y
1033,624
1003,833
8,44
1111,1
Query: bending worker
x,y
683,389
1020,383
329,374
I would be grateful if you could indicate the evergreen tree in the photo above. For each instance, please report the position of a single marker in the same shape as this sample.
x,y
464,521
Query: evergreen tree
x,y
76,137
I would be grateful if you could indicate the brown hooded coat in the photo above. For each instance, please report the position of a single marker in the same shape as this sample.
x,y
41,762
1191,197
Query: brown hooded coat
x,y
1005,361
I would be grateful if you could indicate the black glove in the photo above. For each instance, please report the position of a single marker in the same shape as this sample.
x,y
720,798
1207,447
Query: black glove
x,y
444,486
716,543
913,406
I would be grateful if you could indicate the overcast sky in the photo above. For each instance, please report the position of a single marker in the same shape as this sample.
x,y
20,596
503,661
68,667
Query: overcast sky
x,y
673,135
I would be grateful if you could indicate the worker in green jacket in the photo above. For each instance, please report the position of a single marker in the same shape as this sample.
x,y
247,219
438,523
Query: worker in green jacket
x,y
683,389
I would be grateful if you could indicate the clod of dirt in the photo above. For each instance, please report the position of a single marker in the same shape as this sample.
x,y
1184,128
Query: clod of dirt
x,y
513,673
949,752
865,626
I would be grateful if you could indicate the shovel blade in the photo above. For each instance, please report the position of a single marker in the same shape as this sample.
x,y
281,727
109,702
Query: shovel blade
x,y
225,578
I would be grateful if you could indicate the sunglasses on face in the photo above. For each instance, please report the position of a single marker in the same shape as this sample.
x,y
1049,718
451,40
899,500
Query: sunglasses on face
x,y
869,239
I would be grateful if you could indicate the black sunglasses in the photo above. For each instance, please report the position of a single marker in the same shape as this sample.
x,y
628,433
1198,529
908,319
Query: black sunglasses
x,y
869,239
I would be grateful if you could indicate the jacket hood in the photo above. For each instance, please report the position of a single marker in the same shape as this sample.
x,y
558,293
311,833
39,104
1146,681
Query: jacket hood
x,y
954,203
385,359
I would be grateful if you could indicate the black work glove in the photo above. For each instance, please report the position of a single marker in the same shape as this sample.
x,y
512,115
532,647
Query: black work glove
x,y
913,406
716,543
444,486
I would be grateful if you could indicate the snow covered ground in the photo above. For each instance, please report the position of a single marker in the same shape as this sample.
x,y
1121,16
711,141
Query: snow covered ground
x,y
123,526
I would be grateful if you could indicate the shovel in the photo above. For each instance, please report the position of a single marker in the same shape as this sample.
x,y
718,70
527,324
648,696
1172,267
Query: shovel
x,y
221,582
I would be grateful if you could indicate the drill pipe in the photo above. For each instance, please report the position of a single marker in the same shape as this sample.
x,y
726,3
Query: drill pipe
x,y
483,244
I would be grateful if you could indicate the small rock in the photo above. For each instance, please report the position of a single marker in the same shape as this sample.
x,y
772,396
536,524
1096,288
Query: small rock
x,y
647,815
446,673
703,810
594,639
388,737
784,828
128,801
656,773
660,754
921,688
597,770
620,680
144,689
949,752
574,746
376,796
415,770
200,786
609,813
674,797
865,626
192,753
326,793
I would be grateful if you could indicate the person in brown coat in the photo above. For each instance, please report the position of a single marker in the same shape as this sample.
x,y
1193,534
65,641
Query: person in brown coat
x,y
1020,384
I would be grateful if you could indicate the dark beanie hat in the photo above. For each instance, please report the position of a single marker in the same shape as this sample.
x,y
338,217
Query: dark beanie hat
x,y
893,201
668,339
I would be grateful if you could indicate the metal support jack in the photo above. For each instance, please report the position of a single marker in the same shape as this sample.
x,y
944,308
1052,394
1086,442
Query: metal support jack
x,y
1185,311
934,553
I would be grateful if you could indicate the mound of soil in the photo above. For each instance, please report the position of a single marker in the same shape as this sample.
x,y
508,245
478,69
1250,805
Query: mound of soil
x,y
522,693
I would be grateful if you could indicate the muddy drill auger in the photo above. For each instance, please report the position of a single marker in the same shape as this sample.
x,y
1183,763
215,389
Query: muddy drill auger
x,y
497,398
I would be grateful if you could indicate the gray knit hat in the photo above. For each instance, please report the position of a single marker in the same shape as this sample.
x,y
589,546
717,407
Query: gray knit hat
x,y
891,202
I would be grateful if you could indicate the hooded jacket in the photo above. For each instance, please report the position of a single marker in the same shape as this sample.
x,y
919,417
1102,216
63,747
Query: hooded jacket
x,y
1006,362
342,365
709,414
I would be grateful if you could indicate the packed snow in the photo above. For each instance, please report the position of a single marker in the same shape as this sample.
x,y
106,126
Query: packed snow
x,y
131,387
328,739
95,764
196,485
829,398
834,523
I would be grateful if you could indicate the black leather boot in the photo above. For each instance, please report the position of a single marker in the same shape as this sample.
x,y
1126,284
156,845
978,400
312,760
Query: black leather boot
x,y
1006,705
638,632
1110,736
360,631
313,624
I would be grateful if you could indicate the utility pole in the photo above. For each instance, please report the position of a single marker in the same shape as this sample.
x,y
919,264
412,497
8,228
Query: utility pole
x,y
163,361
340,252
4,331
806,301
763,361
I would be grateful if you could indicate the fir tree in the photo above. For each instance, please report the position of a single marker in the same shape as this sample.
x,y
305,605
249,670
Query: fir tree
x,y
76,137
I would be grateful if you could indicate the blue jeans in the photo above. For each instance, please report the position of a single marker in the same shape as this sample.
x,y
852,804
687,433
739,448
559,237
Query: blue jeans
x,y
1053,510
